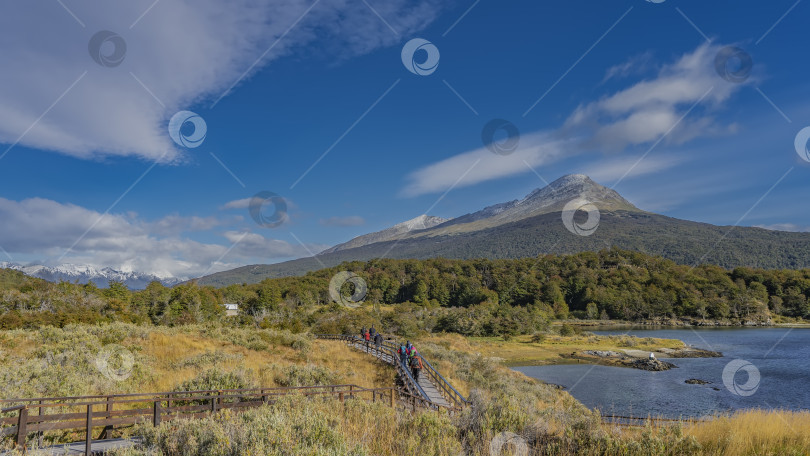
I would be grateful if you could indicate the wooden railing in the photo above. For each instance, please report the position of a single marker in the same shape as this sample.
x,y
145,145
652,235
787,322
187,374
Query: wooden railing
x,y
36,415
445,388
411,385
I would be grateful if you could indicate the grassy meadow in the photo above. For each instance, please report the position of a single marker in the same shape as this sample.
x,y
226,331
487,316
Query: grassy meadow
x,y
58,362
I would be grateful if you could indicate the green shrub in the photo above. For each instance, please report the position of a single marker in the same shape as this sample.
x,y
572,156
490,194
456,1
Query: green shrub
x,y
207,359
308,375
217,379
538,338
567,330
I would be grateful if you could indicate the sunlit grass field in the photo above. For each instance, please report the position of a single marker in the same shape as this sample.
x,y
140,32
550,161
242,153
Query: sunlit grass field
x,y
59,362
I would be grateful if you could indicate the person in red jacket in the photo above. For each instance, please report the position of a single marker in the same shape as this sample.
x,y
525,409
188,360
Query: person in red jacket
x,y
367,337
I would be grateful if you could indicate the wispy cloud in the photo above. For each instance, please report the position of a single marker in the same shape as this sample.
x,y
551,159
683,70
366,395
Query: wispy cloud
x,y
534,150
181,52
640,114
243,203
352,220
636,65
613,169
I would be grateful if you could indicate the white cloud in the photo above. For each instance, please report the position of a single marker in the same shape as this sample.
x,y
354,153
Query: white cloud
x,y
183,51
615,169
243,203
635,65
653,108
481,165
641,114
351,220
46,229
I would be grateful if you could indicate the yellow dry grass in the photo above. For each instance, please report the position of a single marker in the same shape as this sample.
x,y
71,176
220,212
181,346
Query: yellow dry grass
x,y
754,432
169,349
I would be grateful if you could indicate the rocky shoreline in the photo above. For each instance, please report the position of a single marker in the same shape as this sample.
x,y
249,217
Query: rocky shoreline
x,y
638,359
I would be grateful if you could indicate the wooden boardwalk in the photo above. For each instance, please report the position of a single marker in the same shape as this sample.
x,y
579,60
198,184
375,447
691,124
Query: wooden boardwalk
x,y
430,391
427,385
97,447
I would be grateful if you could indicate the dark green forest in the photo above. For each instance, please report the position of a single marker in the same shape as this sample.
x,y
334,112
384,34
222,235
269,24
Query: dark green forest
x,y
471,297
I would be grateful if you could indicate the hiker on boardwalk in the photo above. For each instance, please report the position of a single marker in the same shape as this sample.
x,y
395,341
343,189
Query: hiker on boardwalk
x,y
363,332
416,365
372,331
367,338
403,355
378,338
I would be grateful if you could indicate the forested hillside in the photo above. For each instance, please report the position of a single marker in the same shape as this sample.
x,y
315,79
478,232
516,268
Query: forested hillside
x,y
682,241
472,297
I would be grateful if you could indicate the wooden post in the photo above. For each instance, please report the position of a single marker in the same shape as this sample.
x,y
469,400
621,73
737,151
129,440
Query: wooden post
x,y
156,414
340,395
88,437
392,398
213,404
105,433
40,433
22,427
264,397
219,398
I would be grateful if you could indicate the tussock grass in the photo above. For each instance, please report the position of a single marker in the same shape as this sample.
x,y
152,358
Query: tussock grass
x,y
754,432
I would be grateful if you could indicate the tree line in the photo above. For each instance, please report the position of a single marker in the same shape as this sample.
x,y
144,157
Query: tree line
x,y
471,297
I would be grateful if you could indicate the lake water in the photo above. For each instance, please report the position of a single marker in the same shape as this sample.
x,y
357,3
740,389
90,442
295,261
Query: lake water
x,y
780,357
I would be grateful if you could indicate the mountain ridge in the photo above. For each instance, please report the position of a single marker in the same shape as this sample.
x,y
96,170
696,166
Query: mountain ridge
x,y
532,226
85,273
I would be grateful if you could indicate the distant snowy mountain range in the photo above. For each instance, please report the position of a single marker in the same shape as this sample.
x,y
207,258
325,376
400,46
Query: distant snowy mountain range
x,y
86,274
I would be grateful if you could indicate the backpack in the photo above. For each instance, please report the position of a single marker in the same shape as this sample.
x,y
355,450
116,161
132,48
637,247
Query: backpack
x,y
402,350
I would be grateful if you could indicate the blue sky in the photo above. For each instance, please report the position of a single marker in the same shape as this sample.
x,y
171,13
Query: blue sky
x,y
89,173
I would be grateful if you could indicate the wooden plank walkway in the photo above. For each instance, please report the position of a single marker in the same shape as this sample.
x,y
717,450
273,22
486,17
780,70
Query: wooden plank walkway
x,y
424,379
97,447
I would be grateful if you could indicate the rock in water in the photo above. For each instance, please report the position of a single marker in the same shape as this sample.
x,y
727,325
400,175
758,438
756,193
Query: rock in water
x,y
652,365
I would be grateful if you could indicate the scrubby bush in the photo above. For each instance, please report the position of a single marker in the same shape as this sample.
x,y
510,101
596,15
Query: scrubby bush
x,y
217,379
207,359
308,375
538,337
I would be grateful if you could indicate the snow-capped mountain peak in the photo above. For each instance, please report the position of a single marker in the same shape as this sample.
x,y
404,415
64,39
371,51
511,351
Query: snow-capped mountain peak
x,y
82,273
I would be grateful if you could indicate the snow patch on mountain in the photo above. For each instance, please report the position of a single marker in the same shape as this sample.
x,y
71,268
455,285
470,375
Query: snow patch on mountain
x,y
422,222
82,273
